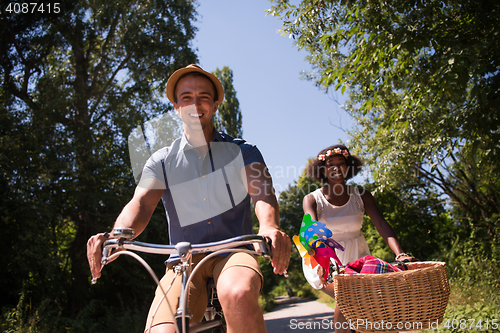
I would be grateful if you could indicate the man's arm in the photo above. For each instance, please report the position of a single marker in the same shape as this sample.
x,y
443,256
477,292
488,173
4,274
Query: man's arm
x,y
260,188
135,215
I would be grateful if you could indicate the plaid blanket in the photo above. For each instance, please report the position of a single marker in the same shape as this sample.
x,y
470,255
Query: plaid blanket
x,y
369,265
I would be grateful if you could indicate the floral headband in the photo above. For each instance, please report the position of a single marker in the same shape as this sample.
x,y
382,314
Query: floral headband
x,y
336,151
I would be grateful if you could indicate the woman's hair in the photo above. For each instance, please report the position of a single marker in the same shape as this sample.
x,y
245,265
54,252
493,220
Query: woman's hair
x,y
316,168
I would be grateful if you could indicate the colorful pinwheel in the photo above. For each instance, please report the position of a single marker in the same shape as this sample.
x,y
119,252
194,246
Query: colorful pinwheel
x,y
315,245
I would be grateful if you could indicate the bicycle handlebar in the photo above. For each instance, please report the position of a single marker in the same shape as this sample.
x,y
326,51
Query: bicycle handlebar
x,y
184,248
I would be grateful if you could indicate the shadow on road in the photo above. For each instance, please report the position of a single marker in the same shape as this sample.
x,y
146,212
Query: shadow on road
x,y
294,314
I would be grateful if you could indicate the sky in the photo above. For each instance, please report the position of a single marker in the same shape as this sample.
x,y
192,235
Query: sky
x,y
289,119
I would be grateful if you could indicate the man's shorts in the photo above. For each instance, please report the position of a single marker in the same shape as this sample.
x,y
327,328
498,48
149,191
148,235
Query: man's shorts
x,y
198,299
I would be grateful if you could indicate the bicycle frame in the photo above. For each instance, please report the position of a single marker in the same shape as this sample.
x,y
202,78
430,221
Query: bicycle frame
x,y
185,250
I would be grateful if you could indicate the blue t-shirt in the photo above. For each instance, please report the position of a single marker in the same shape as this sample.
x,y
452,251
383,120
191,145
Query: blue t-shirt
x,y
205,198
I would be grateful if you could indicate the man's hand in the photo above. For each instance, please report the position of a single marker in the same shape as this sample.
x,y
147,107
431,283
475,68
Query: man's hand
x,y
94,253
281,247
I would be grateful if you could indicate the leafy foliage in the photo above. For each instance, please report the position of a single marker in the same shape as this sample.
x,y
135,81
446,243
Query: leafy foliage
x,y
422,225
74,85
423,81
474,286
424,86
477,317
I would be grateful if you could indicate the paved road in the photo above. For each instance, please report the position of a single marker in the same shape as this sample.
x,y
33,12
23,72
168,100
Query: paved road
x,y
294,314
299,315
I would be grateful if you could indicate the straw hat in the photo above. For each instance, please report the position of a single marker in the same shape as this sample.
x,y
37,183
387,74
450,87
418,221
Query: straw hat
x,y
174,78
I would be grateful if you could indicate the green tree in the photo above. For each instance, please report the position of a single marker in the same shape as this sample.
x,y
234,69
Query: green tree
x,y
74,83
228,117
423,85
423,226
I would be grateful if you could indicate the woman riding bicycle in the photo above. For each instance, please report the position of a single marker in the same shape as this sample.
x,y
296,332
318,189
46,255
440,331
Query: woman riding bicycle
x,y
341,207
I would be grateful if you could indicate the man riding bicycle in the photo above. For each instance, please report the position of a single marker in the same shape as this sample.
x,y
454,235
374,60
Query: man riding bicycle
x,y
206,180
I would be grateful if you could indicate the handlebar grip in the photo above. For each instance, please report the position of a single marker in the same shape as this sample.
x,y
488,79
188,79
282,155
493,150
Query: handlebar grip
x,y
269,243
266,247
122,234
105,255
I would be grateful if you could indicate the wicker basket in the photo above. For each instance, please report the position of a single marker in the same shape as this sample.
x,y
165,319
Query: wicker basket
x,y
411,300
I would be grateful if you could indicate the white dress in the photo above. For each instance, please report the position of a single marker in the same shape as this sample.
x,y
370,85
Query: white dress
x,y
345,222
